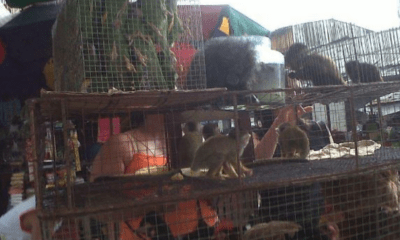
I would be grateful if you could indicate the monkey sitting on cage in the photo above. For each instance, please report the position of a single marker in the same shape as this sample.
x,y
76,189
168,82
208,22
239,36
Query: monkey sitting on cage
x,y
320,70
293,141
360,72
189,144
219,153
317,132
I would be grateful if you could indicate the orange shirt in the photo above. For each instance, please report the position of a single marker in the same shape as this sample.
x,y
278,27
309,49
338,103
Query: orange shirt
x,y
180,222
139,161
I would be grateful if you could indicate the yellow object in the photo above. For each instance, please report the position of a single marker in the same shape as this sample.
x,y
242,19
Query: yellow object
x,y
152,170
225,26
74,136
85,84
48,73
177,177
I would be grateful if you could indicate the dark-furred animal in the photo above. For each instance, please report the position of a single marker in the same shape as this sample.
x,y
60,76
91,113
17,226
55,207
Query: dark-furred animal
x,y
321,70
219,153
209,130
362,72
293,141
230,62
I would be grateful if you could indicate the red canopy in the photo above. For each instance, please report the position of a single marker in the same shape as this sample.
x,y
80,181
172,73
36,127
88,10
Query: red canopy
x,y
184,53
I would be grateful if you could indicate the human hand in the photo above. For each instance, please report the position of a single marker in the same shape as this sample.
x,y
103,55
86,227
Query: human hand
x,y
287,114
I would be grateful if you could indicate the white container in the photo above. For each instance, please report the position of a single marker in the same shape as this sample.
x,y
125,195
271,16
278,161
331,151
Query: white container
x,y
270,71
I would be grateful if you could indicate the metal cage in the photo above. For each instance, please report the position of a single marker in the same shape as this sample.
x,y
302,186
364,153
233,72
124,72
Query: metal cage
x,y
346,188
126,45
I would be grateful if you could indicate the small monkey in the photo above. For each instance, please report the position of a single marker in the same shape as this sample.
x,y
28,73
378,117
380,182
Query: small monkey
x,y
293,141
189,144
321,70
362,72
219,153
209,130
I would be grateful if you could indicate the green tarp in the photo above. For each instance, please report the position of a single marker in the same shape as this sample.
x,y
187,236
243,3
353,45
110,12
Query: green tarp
x,y
240,24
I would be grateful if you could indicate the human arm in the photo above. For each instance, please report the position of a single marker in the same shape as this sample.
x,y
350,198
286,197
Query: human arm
x,y
113,156
266,147
30,223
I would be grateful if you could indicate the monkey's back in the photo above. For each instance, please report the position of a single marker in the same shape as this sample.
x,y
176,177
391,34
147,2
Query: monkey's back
x,y
321,70
362,72
188,146
213,151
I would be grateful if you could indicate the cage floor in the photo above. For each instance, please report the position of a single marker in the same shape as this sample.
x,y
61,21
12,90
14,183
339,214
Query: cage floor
x,y
340,93
117,192
97,103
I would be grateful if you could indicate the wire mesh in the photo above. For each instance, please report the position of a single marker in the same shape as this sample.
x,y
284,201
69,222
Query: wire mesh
x,y
334,175
357,55
359,206
121,197
126,45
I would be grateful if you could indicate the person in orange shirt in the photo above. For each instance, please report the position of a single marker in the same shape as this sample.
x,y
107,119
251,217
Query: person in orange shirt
x,y
139,148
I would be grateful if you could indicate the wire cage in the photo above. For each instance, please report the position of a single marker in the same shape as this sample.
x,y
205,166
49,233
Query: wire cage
x,y
126,45
345,42
137,166
346,189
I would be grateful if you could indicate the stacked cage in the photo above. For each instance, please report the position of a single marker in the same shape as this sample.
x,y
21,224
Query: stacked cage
x,y
347,190
124,45
212,164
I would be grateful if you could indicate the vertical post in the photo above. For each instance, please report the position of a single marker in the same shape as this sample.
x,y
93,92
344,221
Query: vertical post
x,y
328,116
239,171
354,127
381,52
245,124
86,227
35,150
347,109
54,161
67,155
173,134
237,133
371,110
84,133
380,120
377,200
354,45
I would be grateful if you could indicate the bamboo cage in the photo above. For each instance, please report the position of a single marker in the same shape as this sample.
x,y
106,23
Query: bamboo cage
x,y
346,187
360,187
126,45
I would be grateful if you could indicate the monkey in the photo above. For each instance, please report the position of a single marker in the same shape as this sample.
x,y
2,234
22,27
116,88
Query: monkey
x,y
219,153
189,144
362,72
293,141
209,130
321,70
